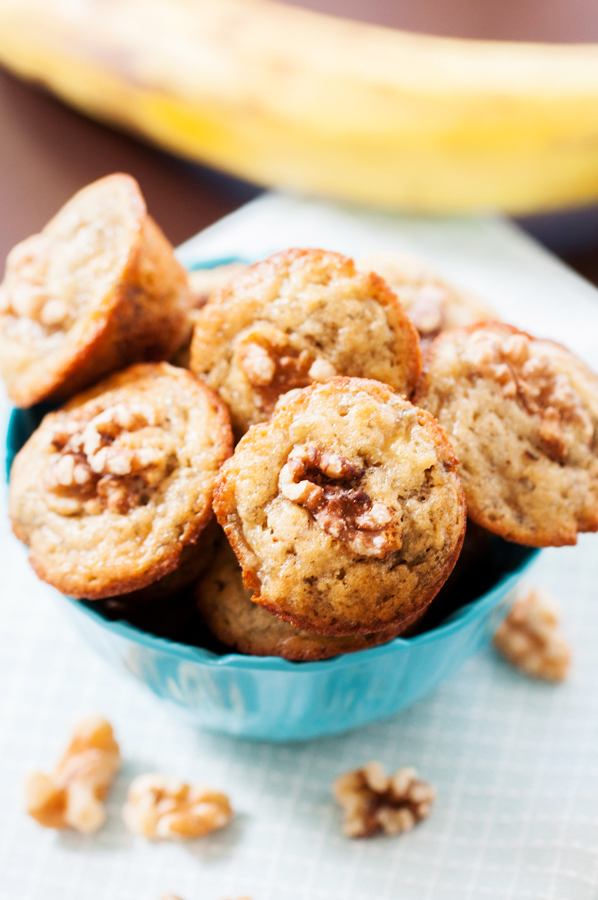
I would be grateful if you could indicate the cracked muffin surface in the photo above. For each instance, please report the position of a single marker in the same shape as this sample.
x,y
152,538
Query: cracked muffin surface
x,y
299,317
226,607
522,415
97,289
345,510
112,490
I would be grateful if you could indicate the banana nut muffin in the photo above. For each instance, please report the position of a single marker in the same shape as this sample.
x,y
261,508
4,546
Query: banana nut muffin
x,y
226,607
431,304
99,288
299,317
522,415
113,489
345,510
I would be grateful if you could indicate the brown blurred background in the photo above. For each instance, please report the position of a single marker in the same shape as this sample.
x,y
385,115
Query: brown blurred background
x,y
47,151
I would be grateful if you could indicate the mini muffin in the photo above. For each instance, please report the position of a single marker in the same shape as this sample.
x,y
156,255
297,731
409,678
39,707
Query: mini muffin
x,y
99,288
431,304
299,317
111,491
522,415
225,606
345,510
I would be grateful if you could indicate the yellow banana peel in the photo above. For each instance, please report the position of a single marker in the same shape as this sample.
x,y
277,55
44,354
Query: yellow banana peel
x,y
294,99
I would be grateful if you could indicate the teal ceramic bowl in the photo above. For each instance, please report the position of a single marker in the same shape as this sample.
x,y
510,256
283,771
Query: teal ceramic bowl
x,y
268,698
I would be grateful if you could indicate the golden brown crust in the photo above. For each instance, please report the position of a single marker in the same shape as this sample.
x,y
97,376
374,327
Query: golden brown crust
x,y
72,309
345,510
522,414
111,489
298,317
226,608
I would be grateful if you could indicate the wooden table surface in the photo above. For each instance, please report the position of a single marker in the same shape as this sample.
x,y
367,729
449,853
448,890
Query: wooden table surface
x,y
48,151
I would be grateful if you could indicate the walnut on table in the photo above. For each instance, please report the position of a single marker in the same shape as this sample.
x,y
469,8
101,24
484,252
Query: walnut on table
x,y
530,638
72,797
159,807
373,801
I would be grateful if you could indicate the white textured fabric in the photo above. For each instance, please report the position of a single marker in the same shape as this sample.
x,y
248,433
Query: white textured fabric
x,y
515,762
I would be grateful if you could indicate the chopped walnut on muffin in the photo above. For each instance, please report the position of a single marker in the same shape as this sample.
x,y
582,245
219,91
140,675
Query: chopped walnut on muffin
x,y
522,415
72,796
113,492
299,317
99,288
375,802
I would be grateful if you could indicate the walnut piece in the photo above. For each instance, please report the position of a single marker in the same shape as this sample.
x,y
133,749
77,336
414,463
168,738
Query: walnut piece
x,y
530,638
373,802
326,484
533,379
273,366
72,797
108,463
159,807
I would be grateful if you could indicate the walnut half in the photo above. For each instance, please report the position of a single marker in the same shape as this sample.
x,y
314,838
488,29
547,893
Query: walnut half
x,y
165,808
327,485
72,796
530,638
373,801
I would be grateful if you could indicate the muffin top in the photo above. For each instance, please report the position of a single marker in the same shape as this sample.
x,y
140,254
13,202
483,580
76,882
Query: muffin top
x,y
227,609
111,489
431,303
345,510
522,415
299,317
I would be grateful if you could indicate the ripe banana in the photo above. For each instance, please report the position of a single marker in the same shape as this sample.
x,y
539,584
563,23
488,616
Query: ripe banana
x,y
294,99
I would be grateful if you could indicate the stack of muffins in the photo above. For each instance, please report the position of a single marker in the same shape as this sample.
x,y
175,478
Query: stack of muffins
x,y
298,483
